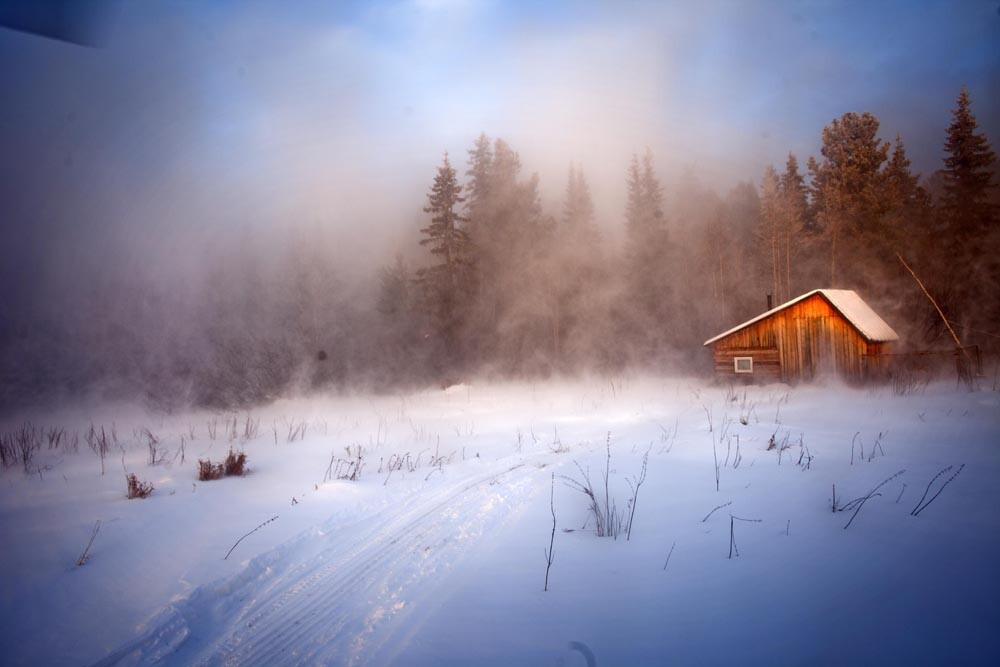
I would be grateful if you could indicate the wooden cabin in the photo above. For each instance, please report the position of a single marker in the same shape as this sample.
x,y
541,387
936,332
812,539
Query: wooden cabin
x,y
827,331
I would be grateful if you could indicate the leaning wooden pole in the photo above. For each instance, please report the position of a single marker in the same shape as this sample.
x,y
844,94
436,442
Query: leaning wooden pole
x,y
936,307
944,319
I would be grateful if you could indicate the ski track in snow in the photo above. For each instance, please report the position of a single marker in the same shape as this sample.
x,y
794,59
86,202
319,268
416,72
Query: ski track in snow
x,y
338,606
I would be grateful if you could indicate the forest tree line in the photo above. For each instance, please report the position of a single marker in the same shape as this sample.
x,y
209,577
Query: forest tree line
x,y
500,287
513,290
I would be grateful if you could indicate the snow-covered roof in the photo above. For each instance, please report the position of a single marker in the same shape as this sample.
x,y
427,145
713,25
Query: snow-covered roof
x,y
847,302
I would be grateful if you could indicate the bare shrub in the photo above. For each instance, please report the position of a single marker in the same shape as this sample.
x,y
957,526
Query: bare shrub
x,y
157,454
19,446
906,382
234,464
100,442
55,437
347,468
8,455
136,488
296,431
208,471
609,521
397,462
251,428
26,441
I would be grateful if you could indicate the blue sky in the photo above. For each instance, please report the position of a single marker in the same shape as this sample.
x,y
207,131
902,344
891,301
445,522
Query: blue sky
x,y
201,114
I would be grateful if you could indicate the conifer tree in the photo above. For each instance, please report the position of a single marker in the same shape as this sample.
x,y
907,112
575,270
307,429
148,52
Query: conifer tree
x,y
578,209
794,186
906,204
444,282
967,175
652,192
846,185
794,206
769,234
394,289
508,240
634,202
572,271
969,254
649,260
900,185
398,336
737,271
480,168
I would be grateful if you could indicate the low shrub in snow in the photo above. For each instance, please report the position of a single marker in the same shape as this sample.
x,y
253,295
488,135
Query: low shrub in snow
x,y
609,520
348,468
233,466
607,517
20,446
136,488
208,471
234,463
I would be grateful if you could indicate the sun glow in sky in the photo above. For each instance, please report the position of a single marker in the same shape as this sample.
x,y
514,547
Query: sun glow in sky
x,y
228,114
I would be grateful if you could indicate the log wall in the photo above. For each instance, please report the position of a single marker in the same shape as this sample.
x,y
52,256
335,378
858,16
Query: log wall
x,y
802,341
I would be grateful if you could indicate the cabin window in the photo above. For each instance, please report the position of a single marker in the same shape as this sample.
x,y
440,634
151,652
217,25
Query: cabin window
x,y
743,364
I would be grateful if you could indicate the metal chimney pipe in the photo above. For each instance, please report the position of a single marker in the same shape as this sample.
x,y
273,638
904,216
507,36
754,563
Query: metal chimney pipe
x,y
769,306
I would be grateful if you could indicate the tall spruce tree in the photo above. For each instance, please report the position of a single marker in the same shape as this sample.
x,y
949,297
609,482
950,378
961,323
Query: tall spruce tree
x,y
509,236
968,175
901,186
770,233
572,273
795,205
479,172
444,282
846,187
634,202
394,290
737,270
969,259
906,204
398,335
578,209
649,259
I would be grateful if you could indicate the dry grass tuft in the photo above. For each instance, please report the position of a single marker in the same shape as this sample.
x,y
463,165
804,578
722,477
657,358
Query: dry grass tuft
x,y
233,466
136,488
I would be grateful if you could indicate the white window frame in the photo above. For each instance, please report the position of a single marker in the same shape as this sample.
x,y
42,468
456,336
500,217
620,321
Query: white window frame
x,y
736,364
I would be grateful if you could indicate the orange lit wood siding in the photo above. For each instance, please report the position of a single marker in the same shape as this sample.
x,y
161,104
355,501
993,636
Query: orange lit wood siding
x,y
798,342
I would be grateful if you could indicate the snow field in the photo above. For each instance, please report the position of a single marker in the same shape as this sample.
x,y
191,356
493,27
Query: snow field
x,y
445,566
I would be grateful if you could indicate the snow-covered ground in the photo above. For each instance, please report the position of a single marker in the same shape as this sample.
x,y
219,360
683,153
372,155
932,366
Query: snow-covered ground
x,y
442,560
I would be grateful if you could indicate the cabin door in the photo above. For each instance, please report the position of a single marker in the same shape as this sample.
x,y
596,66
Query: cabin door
x,y
816,348
821,344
